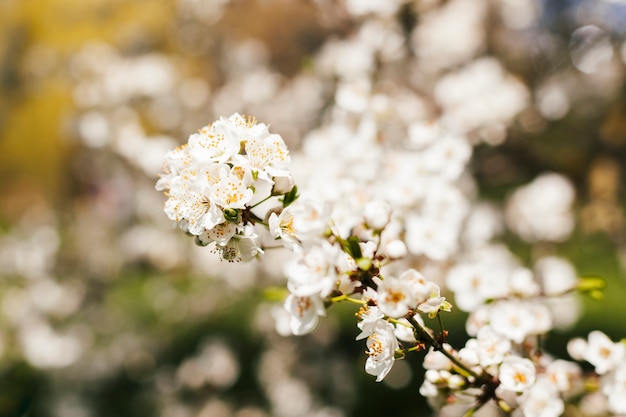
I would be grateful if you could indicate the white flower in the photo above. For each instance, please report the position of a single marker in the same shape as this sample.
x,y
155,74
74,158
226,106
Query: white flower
x,y
305,312
517,319
214,143
563,374
231,192
431,237
492,347
405,331
434,302
281,227
437,360
614,386
469,354
541,400
303,221
240,247
541,210
603,353
267,156
381,348
369,316
191,207
523,282
314,272
394,249
477,319
239,130
283,184
576,348
219,234
354,95
516,374
557,275
417,283
174,163
436,398
395,297
422,134
448,156
310,218
476,281
377,214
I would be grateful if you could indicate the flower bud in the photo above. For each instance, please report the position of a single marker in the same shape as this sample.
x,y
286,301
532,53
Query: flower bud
x,y
395,249
282,185
576,348
232,215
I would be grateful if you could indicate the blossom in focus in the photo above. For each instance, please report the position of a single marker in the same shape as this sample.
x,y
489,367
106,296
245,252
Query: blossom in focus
x,y
381,348
215,181
300,223
369,316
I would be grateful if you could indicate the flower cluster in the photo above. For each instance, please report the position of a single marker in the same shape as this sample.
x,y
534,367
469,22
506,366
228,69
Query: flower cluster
x,y
233,176
609,361
214,182
357,268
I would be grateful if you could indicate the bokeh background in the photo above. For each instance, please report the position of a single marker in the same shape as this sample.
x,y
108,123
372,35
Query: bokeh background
x,y
105,310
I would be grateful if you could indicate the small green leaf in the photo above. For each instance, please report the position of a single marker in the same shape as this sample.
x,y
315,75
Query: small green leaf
x,y
353,247
290,197
592,286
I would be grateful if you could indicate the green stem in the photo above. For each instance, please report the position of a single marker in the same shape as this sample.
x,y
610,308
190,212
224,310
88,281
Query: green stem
x,y
472,410
413,349
260,202
272,247
440,322
345,297
398,322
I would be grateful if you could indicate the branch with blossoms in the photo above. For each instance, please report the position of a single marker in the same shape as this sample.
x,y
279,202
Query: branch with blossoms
x,y
230,188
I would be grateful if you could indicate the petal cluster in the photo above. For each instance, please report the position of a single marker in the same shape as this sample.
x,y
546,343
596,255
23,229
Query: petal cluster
x,y
214,182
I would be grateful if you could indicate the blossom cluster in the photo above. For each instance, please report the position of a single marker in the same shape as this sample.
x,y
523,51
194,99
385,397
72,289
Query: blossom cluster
x,y
377,100
230,168
214,182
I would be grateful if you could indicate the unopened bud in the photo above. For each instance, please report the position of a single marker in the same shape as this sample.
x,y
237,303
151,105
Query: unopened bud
x,y
232,215
395,249
282,185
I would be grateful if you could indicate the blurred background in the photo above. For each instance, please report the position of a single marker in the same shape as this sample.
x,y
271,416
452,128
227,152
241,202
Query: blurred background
x,y
106,310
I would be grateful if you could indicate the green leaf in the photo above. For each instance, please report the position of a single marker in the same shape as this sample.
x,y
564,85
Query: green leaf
x,y
592,286
353,247
291,196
